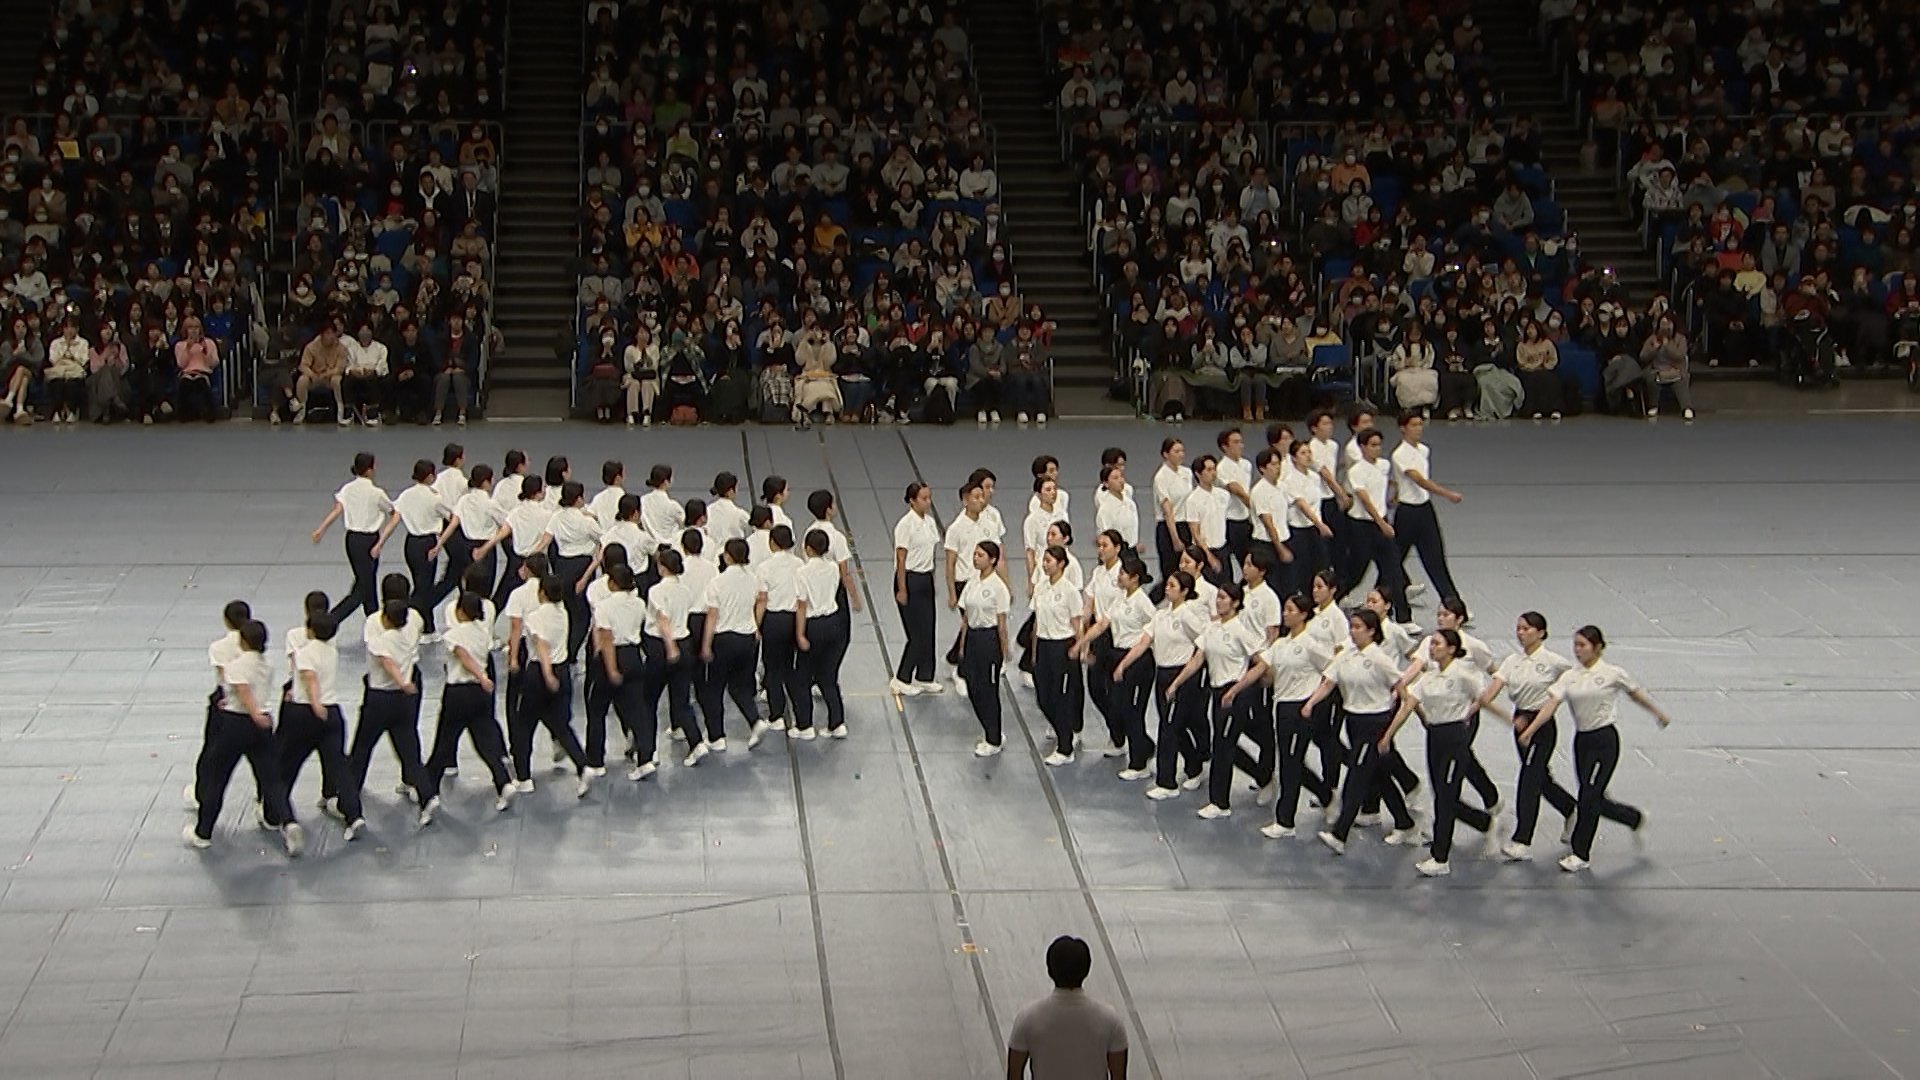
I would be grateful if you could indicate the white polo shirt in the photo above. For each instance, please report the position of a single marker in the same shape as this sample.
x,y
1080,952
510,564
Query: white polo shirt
x,y
528,521
576,533
661,517
730,600
919,536
450,484
321,658
548,623
1593,694
1269,502
1227,645
1231,471
1129,617
476,638
982,605
1055,605
480,517
964,534
422,511
605,505
669,599
623,615
1298,487
1171,485
726,521
1447,697
249,669
364,507
1366,678
506,491
779,579
1530,677
1119,514
400,645
1206,510
1369,477
1174,632
1295,664
818,583
1410,458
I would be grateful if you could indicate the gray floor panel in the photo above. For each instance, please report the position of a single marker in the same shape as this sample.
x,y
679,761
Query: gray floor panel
x,y
878,907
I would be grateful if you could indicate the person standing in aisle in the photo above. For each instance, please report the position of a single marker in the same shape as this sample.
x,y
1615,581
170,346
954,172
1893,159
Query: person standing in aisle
x,y
1204,513
1291,666
1366,677
821,638
969,529
619,624
1057,627
521,531
1591,691
390,703
1170,488
364,509
729,647
1415,525
1529,677
983,619
1223,649
573,536
780,628
1446,695
726,520
547,690
668,649
916,542
243,728
466,706
476,517
1234,474
605,505
422,514
1171,637
1370,535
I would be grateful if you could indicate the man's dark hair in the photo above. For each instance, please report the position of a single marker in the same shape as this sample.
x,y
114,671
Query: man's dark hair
x,y
1068,961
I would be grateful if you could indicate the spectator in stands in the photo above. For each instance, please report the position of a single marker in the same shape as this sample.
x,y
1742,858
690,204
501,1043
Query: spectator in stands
x,y
323,364
816,387
640,369
987,363
109,391
196,357
363,381
66,374
1027,378
1664,359
1416,382
1536,360
459,359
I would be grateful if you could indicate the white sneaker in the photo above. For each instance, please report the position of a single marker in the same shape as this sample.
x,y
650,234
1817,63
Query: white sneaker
x,y
1403,837
331,807
1023,418
523,787
719,745
1416,591
193,839
1512,852
933,687
981,417
344,420
1573,864
984,748
354,829
1368,821
1161,794
1333,812
994,416
903,689
1131,775
959,684
426,812
646,421
1268,792
1686,414
1026,679
1653,414
1276,831
1057,759
757,732
642,772
1041,419
837,732
189,797
274,418
1334,843
629,421
296,839
696,755
776,723
677,735
503,798
800,734
1215,813
585,785
1432,868
595,770
1115,750
1193,783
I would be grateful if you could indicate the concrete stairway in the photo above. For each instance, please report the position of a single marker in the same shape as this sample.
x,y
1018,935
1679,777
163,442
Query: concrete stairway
x,y
1050,252
1596,208
539,206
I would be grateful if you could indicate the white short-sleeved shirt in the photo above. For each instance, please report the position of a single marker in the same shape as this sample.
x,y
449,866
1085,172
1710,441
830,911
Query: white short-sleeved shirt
x,y
1129,617
730,599
1326,456
400,645
480,517
1593,694
759,546
422,511
1228,472
1068,1035
1060,502
450,484
476,638
1477,652
1351,453
1530,677
576,533
1298,486
1398,640
1204,593
662,517
1369,477
919,536
818,583
726,521
1366,678
1295,664
668,598
996,525
1331,625
1206,509
528,521
623,615
1074,576
506,491
779,579
605,505
1055,605
1174,632
964,534
551,624
1103,588
1410,458
223,651
323,659
698,577
364,507
837,547
634,542
249,669
780,517
1111,511
1448,697
1270,501
985,602
1312,484
1227,646
1171,485
1033,531
1260,610
522,600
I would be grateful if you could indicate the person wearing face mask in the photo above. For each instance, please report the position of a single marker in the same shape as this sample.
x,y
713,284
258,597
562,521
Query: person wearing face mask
x,y
602,393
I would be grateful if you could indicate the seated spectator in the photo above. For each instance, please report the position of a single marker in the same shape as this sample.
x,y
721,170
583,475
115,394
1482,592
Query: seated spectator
x,y
459,358
1664,359
323,365
1536,360
196,358
364,379
816,385
66,373
23,356
109,390
1416,382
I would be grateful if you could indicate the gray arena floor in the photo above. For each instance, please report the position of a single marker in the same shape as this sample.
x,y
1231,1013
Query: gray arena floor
x,y
878,907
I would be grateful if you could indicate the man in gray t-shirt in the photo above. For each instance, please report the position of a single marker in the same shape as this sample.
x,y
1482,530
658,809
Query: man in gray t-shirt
x,y
1068,1035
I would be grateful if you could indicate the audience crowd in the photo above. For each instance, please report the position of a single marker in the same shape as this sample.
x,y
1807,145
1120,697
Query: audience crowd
x,y
390,296
138,201
1769,153
793,213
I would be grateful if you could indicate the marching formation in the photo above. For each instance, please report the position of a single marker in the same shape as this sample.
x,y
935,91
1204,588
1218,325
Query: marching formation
x,y
528,596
